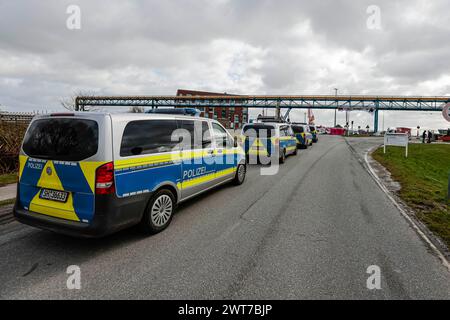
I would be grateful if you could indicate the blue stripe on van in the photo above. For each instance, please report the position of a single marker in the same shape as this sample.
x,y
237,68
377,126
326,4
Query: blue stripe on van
x,y
73,179
145,180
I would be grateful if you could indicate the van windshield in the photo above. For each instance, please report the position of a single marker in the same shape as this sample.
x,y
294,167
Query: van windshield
x,y
298,129
62,139
259,130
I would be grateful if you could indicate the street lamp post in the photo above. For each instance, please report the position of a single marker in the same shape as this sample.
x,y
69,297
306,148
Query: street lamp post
x,y
335,110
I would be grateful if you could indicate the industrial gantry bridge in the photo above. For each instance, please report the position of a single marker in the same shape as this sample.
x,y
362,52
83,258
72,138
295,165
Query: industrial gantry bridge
x,y
371,104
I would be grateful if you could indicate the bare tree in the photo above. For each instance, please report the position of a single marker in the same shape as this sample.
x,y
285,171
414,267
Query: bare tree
x,y
69,102
136,109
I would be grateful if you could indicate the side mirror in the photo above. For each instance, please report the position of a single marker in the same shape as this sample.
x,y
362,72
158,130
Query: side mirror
x,y
207,142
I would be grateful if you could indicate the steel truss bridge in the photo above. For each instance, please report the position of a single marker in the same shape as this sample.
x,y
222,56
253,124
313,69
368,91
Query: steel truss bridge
x,y
371,104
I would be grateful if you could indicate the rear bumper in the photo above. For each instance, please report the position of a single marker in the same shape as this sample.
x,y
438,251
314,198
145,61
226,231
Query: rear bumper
x,y
98,228
112,214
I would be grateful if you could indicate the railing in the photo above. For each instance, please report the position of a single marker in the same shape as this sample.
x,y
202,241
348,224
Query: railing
x,y
17,117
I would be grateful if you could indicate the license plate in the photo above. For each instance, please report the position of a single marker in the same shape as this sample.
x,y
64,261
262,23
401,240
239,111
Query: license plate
x,y
54,195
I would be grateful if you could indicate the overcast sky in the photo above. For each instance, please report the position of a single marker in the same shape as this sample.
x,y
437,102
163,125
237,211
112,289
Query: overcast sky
x,y
236,46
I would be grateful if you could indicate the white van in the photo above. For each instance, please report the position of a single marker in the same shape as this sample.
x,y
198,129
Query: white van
x,y
91,174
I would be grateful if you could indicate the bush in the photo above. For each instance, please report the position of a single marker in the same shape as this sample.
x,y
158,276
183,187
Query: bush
x,y
11,136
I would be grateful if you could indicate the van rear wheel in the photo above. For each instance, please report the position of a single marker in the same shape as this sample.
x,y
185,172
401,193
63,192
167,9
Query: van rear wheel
x,y
283,156
159,212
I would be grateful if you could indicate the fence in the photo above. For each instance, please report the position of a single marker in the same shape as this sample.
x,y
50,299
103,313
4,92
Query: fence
x,y
12,130
16,117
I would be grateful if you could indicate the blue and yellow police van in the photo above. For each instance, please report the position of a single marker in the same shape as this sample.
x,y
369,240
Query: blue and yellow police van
x,y
268,140
303,135
315,133
91,174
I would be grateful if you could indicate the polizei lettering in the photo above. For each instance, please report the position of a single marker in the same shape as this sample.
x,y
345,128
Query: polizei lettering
x,y
194,173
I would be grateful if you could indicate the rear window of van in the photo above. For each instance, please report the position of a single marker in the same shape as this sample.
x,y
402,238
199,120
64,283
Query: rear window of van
x,y
63,139
259,130
298,129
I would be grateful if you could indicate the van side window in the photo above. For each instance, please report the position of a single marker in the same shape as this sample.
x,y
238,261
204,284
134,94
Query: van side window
x,y
290,131
199,135
148,137
298,129
221,137
206,134
283,132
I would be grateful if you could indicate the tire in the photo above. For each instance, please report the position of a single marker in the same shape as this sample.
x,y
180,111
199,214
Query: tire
x,y
283,156
159,212
240,175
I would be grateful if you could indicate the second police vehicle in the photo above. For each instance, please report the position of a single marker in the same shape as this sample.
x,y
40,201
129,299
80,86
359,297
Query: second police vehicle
x,y
266,140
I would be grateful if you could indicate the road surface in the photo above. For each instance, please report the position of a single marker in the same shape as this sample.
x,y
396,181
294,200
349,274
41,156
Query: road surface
x,y
309,232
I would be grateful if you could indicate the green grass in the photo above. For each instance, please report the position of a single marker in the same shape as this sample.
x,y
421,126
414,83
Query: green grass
x,y
8,179
424,180
7,202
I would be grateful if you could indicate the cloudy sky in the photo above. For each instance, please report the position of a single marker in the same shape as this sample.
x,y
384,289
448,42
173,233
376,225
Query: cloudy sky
x,y
237,46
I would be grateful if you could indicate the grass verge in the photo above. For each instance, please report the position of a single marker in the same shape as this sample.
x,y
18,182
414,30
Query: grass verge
x,y
6,179
424,182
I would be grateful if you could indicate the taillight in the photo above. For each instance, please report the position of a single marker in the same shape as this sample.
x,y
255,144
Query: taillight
x,y
104,179
277,141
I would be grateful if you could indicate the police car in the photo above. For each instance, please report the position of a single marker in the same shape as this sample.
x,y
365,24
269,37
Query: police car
x,y
91,174
303,135
266,140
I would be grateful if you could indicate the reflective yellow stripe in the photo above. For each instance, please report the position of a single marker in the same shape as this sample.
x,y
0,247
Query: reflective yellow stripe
x,y
89,169
22,162
291,148
53,208
170,157
206,178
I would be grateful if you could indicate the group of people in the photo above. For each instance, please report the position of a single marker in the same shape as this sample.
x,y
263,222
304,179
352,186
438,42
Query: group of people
x,y
427,136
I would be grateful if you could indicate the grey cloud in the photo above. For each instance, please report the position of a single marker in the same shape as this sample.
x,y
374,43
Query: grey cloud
x,y
252,46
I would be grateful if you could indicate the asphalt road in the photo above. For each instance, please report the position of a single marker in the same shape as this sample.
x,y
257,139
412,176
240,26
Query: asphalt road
x,y
309,232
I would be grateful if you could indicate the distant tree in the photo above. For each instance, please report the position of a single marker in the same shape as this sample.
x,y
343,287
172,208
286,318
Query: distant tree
x,y
69,102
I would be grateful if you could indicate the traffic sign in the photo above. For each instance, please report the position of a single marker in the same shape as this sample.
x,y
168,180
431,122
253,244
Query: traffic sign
x,y
446,112
396,139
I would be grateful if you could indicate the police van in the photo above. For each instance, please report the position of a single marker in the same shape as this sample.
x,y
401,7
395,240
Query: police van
x,y
91,174
303,135
266,140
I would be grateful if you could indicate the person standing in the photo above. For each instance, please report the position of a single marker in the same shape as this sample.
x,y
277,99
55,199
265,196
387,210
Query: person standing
x,y
430,136
424,136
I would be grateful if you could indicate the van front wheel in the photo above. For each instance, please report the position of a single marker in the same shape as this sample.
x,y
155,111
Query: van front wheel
x,y
240,175
159,212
